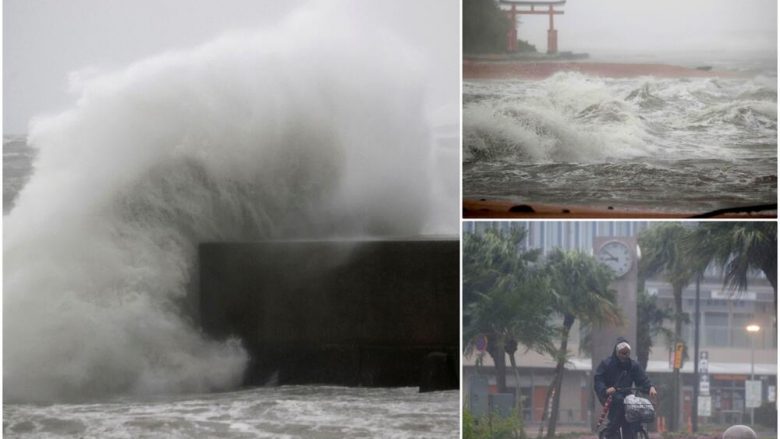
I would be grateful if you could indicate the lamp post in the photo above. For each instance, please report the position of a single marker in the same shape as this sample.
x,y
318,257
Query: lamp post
x,y
753,328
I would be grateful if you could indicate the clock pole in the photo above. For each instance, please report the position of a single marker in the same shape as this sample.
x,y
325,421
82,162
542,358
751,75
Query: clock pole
x,y
603,338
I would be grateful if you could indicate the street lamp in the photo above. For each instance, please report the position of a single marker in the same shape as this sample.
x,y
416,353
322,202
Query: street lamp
x,y
753,328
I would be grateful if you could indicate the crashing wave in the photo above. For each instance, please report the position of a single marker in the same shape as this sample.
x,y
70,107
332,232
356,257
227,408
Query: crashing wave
x,y
285,134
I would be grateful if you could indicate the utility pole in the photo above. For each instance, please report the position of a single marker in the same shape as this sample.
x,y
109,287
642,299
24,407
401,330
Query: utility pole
x,y
695,411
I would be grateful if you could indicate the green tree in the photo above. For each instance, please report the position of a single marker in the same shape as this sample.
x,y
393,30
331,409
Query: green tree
x,y
484,27
663,254
580,290
502,300
738,248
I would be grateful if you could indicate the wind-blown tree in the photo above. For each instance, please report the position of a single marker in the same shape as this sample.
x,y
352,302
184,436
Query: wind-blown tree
x,y
502,300
580,290
484,27
739,248
663,254
650,323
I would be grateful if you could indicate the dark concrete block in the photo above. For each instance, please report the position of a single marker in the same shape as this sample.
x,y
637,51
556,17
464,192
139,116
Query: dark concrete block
x,y
438,371
334,312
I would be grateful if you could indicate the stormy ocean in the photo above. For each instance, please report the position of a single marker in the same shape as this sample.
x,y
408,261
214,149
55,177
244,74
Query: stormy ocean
x,y
316,412
272,412
665,144
271,134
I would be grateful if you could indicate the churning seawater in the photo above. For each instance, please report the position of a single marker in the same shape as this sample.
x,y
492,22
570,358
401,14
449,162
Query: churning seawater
x,y
668,144
272,412
280,133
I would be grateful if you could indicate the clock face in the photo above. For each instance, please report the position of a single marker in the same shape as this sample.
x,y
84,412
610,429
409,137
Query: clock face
x,y
616,256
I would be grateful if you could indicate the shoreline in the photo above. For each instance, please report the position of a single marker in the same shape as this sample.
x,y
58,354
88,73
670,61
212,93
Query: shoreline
x,y
474,208
541,69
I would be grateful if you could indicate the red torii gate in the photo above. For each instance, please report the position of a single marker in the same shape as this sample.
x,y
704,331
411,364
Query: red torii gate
x,y
529,8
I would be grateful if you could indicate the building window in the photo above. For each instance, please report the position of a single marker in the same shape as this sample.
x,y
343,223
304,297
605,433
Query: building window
x,y
716,329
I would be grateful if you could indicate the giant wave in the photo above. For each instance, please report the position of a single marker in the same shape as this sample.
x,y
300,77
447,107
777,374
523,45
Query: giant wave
x,y
286,133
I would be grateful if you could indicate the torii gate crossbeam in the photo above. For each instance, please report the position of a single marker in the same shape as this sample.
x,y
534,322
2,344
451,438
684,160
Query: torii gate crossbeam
x,y
529,8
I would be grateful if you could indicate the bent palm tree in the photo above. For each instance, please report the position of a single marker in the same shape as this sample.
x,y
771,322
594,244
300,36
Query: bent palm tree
x,y
739,248
502,297
580,287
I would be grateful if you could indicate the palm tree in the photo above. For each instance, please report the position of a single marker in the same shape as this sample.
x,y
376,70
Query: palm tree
x,y
502,300
739,248
663,253
580,290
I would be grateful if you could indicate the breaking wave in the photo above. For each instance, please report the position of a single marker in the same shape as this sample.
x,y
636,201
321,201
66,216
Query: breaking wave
x,y
282,133
575,118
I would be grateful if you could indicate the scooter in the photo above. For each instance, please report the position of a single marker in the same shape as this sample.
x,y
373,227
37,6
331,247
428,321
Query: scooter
x,y
640,432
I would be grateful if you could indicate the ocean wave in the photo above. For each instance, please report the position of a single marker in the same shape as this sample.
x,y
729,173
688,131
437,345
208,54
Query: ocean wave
x,y
571,117
752,115
644,97
281,134
554,128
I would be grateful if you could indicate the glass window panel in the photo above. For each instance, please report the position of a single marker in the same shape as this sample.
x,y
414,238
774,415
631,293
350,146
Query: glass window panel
x,y
716,328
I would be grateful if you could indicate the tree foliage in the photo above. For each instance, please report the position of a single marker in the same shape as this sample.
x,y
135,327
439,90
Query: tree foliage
x,y
503,297
739,248
492,427
484,27
663,254
580,287
579,290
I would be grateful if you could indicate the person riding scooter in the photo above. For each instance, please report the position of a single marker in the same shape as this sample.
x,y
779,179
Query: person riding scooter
x,y
614,373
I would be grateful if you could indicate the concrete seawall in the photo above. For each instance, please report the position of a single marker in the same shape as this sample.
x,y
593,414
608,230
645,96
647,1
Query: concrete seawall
x,y
334,312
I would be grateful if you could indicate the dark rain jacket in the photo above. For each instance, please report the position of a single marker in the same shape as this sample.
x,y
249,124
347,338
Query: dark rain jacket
x,y
613,373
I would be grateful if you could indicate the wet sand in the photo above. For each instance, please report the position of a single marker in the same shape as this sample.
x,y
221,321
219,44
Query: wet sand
x,y
473,69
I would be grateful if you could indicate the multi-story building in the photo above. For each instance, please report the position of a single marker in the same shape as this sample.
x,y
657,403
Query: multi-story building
x,y
723,318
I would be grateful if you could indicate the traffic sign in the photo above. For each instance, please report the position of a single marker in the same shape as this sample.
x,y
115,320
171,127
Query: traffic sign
x,y
481,343
753,393
705,406
703,362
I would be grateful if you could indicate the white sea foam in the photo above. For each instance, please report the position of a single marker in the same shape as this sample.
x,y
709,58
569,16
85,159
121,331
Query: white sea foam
x,y
284,133
566,118
574,118
672,143
287,411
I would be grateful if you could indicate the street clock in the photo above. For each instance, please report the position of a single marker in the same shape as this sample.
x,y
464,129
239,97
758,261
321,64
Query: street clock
x,y
617,256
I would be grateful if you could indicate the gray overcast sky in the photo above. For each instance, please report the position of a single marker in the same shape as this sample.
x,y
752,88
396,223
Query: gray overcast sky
x,y
632,26
45,40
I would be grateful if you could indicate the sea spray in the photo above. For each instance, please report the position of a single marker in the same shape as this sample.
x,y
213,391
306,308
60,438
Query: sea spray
x,y
568,117
287,133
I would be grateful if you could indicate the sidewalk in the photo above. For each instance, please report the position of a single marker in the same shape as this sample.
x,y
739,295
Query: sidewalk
x,y
581,431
